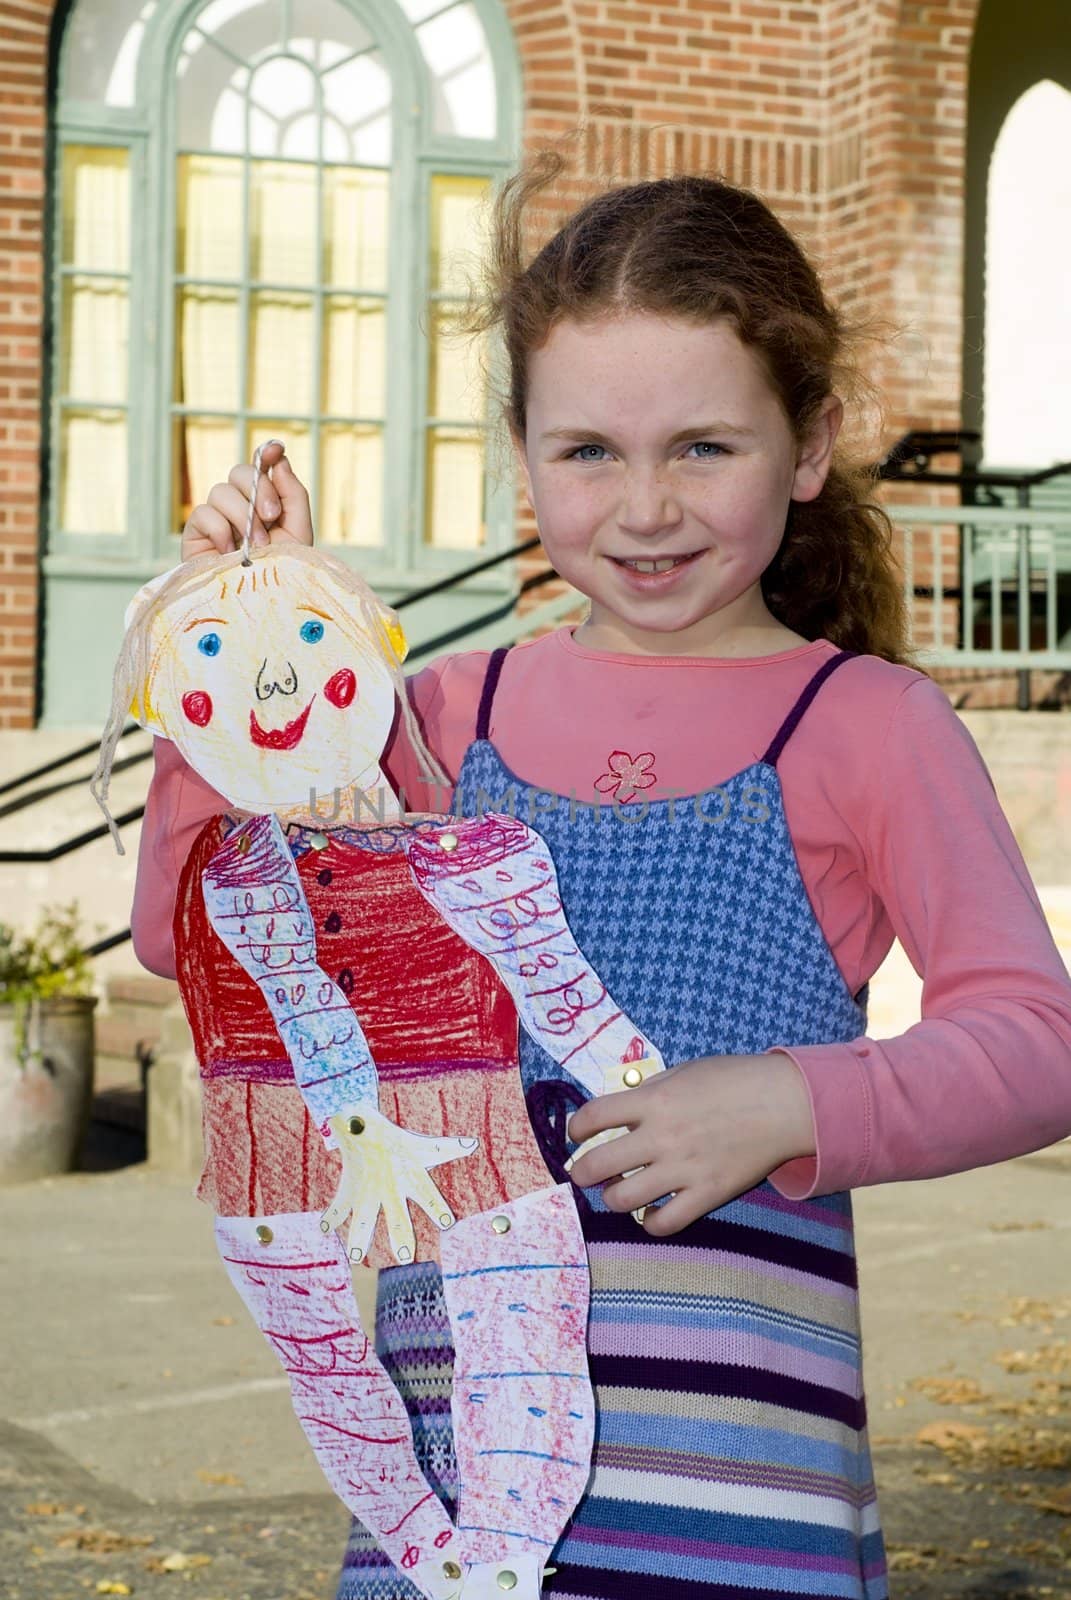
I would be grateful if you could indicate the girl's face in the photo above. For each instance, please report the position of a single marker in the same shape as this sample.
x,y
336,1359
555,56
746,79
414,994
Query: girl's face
x,y
660,465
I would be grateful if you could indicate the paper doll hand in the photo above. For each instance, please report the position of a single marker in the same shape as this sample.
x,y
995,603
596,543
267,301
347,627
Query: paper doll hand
x,y
383,1168
621,1075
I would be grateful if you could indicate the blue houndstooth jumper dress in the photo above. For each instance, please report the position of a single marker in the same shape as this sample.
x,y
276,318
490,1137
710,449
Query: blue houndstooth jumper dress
x,y
731,1458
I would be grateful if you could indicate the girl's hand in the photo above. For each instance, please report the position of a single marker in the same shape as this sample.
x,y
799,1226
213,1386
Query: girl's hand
x,y
704,1132
282,509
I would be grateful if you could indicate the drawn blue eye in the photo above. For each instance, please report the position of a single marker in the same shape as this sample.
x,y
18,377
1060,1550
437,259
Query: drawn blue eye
x,y
209,644
312,631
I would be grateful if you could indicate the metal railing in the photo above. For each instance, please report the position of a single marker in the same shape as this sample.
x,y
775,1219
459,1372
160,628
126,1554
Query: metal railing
x,y
1008,605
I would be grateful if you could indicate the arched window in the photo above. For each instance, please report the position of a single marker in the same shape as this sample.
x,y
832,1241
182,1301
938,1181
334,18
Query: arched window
x,y
1027,407
262,207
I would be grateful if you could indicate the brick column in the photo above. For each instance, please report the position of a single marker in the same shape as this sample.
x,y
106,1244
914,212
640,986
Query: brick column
x,y
24,31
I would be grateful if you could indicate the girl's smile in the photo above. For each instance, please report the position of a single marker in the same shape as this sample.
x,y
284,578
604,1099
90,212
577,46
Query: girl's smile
x,y
661,465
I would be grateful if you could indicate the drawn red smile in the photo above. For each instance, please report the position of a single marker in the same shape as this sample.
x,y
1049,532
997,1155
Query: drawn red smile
x,y
285,738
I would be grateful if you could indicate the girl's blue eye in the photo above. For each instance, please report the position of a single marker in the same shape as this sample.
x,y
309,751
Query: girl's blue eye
x,y
209,644
579,452
312,631
707,449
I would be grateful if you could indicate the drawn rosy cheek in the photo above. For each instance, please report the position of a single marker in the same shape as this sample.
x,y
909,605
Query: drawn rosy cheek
x,y
198,708
341,688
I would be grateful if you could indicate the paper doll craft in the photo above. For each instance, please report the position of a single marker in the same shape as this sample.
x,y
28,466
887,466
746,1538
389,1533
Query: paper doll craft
x,y
349,993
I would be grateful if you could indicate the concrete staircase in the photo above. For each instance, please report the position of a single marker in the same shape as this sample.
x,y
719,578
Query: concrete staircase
x,y
129,1026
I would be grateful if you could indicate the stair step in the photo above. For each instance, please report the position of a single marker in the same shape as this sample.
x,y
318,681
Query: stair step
x,y
120,1107
118,1036
140,989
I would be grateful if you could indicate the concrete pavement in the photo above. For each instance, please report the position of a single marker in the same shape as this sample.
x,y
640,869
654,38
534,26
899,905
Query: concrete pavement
x,y
141,1404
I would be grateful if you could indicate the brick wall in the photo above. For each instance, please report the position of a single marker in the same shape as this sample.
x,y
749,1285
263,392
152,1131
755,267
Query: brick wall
x,y
24,26
848,115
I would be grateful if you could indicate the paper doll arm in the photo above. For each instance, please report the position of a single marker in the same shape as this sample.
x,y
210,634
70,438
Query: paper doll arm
x,y
256,905
493,881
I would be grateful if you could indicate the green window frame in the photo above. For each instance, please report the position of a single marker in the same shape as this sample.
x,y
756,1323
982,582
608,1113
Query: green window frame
x,y
146,130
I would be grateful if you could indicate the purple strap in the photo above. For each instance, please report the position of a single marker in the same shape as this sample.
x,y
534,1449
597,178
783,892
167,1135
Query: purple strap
x,y
490,684
807,694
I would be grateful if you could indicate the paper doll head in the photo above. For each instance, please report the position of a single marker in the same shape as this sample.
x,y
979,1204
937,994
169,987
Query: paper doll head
x,y
275,678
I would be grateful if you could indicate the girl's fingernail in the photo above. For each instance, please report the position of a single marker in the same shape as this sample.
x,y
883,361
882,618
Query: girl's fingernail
x,y
272,508
275,441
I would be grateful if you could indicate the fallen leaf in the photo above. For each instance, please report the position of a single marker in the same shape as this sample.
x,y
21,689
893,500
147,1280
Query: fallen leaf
x,y
911,1558
223,1322
950,1391
229,1478
44,1508
1052,1359
179,1562
102,1541
1057,1501
956,1438
104,1587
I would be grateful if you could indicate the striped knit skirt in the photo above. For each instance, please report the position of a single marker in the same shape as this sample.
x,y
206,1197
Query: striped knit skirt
x,y
731,1456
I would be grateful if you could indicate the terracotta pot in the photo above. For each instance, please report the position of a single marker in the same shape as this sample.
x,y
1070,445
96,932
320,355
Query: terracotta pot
x,y
46,1086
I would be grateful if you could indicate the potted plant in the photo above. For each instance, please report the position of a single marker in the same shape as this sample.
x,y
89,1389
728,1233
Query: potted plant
x,y
46,1046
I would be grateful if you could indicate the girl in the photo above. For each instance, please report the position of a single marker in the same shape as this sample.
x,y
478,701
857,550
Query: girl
x,y
748,791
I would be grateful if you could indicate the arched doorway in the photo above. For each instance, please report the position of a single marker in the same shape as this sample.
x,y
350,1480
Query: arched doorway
x,y
1017,299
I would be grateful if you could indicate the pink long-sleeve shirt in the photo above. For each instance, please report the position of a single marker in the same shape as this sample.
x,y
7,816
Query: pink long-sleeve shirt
x,y
897,830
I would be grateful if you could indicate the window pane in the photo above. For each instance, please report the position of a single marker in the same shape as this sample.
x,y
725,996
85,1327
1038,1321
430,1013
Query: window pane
x,y
457,389
210,93
208,356
95,339
454,491
281,350
205,450
458,230
283,95
357,112
93,472
96,208
351,486
458,57
295,436
100,49
455,49
209,217
355,357
282,208
355,228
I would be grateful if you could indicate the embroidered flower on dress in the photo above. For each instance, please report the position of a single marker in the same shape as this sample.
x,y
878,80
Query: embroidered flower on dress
x,y
627,775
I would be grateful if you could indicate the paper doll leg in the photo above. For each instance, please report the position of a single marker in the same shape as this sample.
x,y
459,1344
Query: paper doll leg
x,y
523,1410
295,1281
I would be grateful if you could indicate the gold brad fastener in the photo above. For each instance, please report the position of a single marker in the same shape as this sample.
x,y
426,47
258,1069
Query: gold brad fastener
x,y
319,841
451,1569
632,1077
264,1234
244,845
448,841
506,1579
356,1124
500,1224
